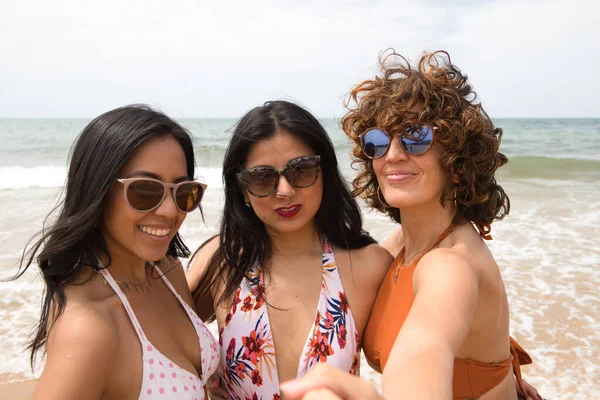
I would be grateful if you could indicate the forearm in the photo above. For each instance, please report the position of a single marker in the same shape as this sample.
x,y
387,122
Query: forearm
x,y
424,373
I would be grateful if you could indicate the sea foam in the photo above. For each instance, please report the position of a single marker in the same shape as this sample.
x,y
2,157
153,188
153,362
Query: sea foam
x,y
45,176
50,176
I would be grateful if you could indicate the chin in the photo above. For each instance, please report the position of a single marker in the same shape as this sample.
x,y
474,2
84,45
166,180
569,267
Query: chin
x,y
404,203
290,227
154,255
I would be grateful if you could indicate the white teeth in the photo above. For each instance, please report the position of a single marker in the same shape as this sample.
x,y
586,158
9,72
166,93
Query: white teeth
x,y
154,231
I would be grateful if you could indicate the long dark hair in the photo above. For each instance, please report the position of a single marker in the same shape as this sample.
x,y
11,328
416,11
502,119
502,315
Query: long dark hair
x,y
243,239
74,240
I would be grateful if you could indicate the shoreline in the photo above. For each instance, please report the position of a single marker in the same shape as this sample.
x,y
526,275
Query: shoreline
x,y
18,391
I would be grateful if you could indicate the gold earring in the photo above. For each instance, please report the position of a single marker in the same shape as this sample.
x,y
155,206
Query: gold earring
x,y
456,198
383,202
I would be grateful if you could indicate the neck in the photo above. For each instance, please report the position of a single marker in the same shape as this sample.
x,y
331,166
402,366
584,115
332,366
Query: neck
x,y
296,244
422,225
124,266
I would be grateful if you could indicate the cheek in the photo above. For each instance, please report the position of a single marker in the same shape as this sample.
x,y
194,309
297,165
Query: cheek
x,y
431,164
259,205
118,217
377,167
318,193
180,218
115,208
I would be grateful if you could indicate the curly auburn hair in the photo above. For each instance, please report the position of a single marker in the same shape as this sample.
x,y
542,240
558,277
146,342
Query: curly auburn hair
x,y
445,100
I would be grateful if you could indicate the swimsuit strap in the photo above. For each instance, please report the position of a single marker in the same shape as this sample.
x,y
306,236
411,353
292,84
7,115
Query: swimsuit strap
x,y
165,279
437,241
134,321
400,256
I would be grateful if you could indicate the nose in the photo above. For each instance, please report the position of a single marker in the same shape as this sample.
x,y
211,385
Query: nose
x,y
396,152
167,208
284,189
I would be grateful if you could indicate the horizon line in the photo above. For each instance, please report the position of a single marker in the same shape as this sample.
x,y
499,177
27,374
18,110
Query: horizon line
x,y
240,116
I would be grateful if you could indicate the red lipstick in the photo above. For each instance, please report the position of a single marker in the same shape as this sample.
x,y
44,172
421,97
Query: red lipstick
x,y
288,212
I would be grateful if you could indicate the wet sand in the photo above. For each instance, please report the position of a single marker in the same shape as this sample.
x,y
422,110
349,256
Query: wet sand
x,y
17,391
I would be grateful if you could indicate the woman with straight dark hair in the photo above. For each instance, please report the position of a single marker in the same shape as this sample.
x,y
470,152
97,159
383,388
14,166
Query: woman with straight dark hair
x,y
117,318
292,277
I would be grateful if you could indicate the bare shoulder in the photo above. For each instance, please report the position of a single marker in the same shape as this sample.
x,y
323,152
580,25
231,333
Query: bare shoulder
x,y
394,242
370,263
200,261
81,348
83,325
372,254
449,265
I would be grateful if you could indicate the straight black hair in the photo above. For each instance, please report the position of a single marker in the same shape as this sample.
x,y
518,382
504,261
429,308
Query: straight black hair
x,y
74,241
243,239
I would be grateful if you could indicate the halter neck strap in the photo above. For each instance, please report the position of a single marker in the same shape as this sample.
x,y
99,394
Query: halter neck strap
x,y
437,241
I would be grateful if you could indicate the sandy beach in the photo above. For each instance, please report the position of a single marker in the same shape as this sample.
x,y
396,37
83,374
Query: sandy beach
x,y
17,391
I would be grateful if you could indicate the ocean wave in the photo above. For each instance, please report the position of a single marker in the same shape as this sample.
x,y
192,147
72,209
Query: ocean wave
x,y
555,168
210,171
44,176
51,176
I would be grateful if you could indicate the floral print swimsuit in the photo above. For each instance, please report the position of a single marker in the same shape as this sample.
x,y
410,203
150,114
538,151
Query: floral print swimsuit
x,y
249,368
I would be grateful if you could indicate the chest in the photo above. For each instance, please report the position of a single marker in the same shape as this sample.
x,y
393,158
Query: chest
x,y
166,327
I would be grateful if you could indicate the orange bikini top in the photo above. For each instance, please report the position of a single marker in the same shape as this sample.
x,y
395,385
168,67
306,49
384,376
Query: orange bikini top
x,y
471,378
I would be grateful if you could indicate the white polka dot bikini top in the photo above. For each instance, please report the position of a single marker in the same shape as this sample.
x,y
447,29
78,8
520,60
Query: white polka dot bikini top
x,y
162,378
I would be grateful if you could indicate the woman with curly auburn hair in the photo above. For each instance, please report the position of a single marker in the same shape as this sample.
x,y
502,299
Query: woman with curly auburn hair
x,y
427,153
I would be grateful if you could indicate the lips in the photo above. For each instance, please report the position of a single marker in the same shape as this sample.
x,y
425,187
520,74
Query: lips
x,y
288,212
399,176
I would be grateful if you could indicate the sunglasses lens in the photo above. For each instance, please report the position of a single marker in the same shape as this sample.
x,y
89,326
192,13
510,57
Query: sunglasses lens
x,y
417,139
144,195
302,173
260,181
188,196
375,143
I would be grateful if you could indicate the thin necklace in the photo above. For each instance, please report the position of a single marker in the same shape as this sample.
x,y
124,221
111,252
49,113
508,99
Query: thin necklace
x,y
143,287
436,242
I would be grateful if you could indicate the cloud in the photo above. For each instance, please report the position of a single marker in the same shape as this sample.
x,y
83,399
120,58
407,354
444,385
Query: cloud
x,y
218,59
532,58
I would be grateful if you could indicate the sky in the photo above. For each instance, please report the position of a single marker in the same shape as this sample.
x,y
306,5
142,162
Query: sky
x,y
218,59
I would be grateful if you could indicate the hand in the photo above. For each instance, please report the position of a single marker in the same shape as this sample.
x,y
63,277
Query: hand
x,y
531,392
327,382
215,390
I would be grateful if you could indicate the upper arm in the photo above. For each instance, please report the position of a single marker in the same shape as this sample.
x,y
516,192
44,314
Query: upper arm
x,y
446,294
422,357
370,264
81,349
195,274
368,267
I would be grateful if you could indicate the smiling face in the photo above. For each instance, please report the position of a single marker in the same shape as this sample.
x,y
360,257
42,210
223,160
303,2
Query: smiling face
x,y
145,236
408,181
289,209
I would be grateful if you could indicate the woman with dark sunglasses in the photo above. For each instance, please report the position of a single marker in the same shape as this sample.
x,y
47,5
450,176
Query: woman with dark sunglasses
x,y
428,154
292,277
117,319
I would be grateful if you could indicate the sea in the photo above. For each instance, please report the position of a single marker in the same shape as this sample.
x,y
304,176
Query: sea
x,y
547,247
